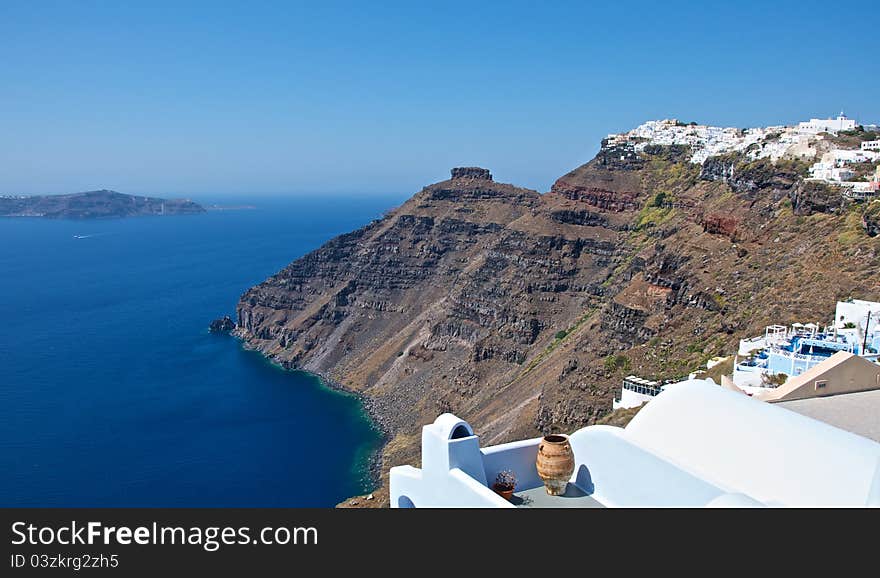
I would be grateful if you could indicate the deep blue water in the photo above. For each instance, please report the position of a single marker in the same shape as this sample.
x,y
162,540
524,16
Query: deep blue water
x,y
112,391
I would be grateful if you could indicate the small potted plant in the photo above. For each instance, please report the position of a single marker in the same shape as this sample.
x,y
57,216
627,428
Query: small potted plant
x,y
505,483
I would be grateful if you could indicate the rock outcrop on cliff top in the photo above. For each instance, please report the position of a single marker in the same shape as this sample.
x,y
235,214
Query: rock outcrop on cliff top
x,y
521,311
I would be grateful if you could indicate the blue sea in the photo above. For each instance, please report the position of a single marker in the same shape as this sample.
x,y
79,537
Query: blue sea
x,y
113,392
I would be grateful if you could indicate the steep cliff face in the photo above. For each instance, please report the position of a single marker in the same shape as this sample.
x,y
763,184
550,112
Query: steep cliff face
x,y
521,312
440,305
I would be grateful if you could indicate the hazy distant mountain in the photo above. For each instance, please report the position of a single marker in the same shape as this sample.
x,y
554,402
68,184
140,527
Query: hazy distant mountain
x,y
93,205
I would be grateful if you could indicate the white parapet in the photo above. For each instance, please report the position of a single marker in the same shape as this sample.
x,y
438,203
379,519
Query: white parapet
x,y
452,471
695,445
630,399
747,346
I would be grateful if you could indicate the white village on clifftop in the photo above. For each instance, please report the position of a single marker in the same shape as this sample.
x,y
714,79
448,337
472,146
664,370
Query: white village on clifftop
x,y
792,420
808,140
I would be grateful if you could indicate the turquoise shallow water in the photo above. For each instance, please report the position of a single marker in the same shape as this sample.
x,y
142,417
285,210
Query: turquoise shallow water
x,y
112,391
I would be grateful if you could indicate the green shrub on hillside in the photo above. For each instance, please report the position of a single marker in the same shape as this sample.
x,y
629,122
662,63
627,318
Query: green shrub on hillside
x,y
617,362
659,199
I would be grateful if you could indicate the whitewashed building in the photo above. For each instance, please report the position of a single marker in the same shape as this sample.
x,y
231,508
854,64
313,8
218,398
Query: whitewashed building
x,y
841,174
695,445
793,350
834,167
831,125
635,391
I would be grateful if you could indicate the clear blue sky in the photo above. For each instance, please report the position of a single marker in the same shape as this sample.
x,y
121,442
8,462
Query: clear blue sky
x,y
276,97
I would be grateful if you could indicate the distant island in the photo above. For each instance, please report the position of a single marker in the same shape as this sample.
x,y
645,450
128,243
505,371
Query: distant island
x,y
230,207
94,205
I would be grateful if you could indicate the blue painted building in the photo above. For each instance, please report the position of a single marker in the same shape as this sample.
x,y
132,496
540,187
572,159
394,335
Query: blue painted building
x,y
793,350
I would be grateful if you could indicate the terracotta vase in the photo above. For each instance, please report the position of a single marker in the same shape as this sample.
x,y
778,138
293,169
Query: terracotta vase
x,y
555,463
504,492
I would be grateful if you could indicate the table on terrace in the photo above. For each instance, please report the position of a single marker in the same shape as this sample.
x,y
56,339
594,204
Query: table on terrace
x,y
574,497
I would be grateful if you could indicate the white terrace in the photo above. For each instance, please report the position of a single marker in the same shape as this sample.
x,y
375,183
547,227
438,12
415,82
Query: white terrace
x,y
695,445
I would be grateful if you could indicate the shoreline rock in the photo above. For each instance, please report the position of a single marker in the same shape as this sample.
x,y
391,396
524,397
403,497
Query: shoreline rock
x,y
223,324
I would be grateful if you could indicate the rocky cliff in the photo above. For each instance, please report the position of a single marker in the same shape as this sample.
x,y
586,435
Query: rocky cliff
x,y
92,205
521,311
